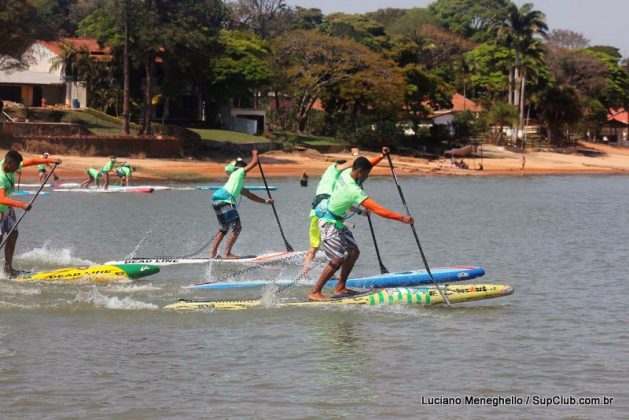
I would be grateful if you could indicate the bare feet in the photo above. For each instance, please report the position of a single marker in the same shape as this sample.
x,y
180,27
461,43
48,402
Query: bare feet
x,y
345,292
231,257
317,297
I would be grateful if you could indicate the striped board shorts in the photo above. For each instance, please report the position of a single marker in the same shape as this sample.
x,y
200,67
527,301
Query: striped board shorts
x,y
335,241
227,216
7,220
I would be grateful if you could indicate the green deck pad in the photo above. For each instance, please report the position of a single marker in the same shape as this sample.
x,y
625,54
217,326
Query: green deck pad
x,y
135,271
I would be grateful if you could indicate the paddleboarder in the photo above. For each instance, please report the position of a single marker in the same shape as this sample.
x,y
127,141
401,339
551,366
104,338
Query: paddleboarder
x,y
124,173
11,163
225,203
323,192
338,242
106,169
41,168
93,175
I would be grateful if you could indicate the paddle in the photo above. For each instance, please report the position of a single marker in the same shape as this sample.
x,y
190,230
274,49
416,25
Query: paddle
x,y
6,239
383,269
421,251
266,186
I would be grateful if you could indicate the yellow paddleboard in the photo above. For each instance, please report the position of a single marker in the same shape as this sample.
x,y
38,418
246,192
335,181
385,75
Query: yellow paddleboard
x,y
402,295
99,273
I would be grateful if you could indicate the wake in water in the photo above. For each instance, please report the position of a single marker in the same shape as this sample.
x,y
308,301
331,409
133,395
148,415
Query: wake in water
x,y
96,298
51,256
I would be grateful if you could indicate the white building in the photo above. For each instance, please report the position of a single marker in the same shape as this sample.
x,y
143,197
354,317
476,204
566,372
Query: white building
x,y
39,84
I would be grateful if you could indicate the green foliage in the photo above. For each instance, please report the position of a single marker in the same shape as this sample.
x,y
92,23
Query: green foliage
x,y
242,68
473,19
20,27
489,65
559,107
468,127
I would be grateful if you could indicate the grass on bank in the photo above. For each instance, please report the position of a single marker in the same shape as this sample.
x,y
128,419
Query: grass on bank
x,y
227,136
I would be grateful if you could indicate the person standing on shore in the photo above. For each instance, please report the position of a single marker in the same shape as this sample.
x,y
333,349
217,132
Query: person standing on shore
x,y
41,168
324,191
338,242
523,164
11,163
225,203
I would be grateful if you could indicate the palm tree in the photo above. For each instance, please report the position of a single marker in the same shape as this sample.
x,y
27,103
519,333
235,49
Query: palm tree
x,y
519,33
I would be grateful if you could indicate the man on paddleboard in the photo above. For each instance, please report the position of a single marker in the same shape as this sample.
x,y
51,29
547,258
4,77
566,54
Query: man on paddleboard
x,y
11,163
124,173
105,170
92,175
41,168
337,240
225,202
323,192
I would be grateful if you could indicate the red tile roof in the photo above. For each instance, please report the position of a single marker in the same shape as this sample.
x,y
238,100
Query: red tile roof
x,y
618,115
461,103
89,44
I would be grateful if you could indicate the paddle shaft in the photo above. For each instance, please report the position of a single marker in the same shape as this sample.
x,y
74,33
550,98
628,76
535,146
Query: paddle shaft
x,y
266,186
408,213
383,269
6,239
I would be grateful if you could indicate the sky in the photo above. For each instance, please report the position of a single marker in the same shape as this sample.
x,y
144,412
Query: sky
x,y
603,22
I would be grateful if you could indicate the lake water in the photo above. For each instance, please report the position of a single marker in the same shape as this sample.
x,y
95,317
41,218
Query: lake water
x,y
83,350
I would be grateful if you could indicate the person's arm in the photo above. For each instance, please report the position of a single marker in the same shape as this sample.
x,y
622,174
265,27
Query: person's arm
x,y
344,166
254,161
251,196
381,211
39,161
376,160
6,201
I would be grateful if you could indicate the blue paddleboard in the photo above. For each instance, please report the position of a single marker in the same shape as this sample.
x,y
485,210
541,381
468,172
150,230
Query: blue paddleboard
x,y
22,192
402,279
248,187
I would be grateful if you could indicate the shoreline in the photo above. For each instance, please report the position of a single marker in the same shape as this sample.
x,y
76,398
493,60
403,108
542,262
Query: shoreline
x,y
604,160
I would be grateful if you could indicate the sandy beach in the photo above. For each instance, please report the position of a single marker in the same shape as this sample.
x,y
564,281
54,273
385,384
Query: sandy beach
x,y
597,159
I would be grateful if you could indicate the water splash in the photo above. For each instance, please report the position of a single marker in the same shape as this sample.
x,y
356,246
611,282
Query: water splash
x,y
52,256
96,298
132,288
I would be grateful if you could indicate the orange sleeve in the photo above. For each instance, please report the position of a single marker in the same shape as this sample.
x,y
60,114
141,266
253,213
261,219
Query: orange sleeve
x,y
374,207
36,161
6,201
376,160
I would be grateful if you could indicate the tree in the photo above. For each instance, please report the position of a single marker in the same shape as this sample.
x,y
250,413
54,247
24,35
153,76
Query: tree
x,y
241,70
311,63
262,16
473,19
518,33
490,65
566,38
20,27
558,107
